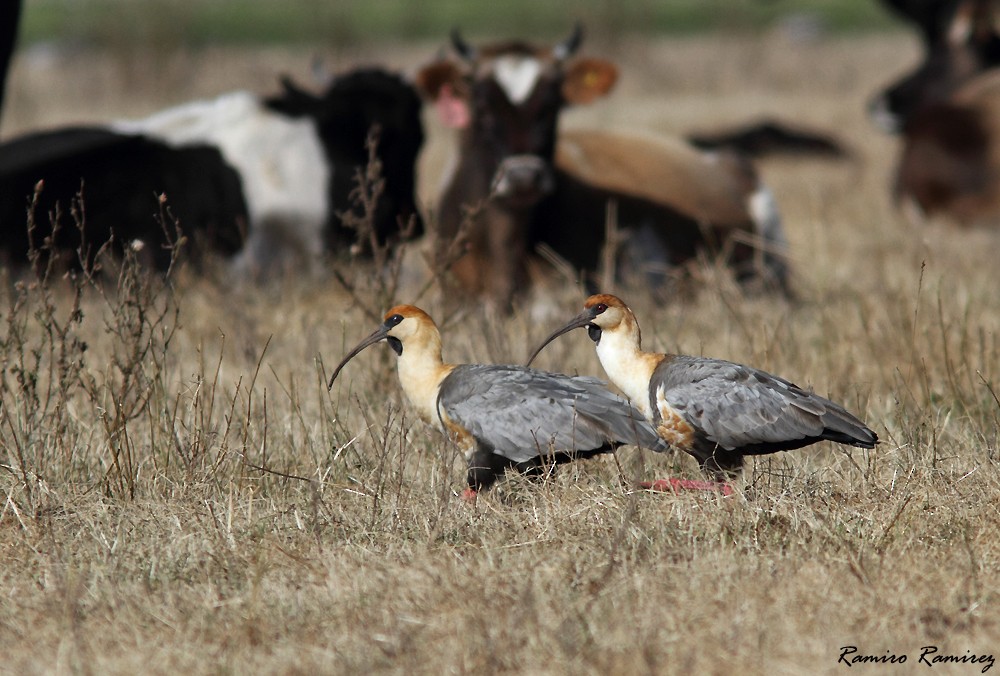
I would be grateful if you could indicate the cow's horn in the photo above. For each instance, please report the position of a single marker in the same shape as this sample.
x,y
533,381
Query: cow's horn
x,y
569,45
463,48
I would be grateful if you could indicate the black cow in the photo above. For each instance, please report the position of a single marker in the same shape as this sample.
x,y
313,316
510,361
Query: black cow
x,y
959,42
769,138
277,172
119,177
948,112
10,15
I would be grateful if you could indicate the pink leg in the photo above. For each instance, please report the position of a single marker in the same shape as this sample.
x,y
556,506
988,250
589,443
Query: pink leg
x,y
469,496
677,485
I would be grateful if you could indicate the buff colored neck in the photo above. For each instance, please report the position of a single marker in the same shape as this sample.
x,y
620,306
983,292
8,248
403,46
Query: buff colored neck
x,y
421,371
628,367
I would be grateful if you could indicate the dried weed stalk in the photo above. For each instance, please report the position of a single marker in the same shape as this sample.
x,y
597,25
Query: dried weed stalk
x,y
380,289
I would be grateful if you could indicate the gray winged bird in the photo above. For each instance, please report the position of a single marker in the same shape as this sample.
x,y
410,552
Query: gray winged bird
x,y
715,410
504,416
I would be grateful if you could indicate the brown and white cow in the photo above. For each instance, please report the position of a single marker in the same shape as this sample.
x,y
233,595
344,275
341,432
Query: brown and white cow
x,y
948,111
522,184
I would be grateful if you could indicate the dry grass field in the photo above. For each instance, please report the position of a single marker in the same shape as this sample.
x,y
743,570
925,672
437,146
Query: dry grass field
x,y
179,493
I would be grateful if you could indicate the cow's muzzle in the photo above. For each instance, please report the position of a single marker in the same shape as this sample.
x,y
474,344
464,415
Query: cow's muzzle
x,y
522,180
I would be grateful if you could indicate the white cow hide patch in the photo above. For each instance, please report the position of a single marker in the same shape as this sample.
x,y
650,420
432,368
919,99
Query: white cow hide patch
x,y
280,160
517,76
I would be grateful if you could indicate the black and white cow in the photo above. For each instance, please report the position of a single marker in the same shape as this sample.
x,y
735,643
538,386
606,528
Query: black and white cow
x,y
276,173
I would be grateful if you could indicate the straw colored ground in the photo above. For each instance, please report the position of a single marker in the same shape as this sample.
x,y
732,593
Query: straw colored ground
x,y
138,534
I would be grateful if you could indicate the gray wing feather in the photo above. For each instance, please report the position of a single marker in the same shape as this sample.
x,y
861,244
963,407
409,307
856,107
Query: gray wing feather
x,y
735,405
521,413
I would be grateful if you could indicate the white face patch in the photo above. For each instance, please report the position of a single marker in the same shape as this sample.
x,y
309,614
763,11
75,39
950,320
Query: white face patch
x,y
517,76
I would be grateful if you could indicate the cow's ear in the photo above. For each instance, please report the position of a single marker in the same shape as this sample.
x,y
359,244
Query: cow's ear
x,y
962,25
444,84
432,78
588,79
294,100
973,21
452,110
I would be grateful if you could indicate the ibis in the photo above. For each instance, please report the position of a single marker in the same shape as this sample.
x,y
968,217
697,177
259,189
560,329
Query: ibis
x,y
504,416
715,410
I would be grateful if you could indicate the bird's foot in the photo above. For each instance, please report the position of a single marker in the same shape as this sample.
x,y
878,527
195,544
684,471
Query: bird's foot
x,y
677,485
469,496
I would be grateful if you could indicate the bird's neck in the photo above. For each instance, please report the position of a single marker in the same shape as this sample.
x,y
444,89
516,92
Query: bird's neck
x,y
421,371
628,367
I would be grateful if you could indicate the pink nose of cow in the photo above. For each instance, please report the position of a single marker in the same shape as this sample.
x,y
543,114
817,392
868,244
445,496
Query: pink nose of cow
x,y
522,179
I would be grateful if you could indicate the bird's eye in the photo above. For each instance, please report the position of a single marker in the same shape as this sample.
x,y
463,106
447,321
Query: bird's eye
x,y
599,308
393,320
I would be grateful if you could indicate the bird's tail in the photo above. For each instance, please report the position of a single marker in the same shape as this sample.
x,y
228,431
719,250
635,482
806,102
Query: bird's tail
x,y
843,428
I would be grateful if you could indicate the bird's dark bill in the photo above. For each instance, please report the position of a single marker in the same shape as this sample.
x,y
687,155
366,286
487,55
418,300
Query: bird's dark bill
x,y
583,319
381,333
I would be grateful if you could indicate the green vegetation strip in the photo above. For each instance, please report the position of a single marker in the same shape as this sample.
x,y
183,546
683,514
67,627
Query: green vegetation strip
x,y
168,23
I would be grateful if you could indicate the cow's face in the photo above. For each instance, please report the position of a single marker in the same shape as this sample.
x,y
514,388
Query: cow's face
x,y
508,97
964,45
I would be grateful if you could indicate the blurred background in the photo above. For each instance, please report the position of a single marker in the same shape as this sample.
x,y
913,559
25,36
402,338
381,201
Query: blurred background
x,y
686,65
169,24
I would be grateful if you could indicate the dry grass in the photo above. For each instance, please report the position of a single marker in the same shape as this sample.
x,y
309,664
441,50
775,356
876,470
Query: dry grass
x,y
139,532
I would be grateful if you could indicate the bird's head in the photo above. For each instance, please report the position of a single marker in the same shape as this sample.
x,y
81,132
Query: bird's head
x,y
402,325
602,313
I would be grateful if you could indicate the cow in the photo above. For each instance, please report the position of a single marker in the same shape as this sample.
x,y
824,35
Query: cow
x,y
949,165
948,113
10,15
959,43
267,179
518,184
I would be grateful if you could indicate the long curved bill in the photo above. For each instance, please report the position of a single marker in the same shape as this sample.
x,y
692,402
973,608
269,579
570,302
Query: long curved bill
x,y
381,333
581,320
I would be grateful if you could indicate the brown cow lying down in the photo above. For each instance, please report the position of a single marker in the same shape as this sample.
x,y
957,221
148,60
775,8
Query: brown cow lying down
x,y
523,189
